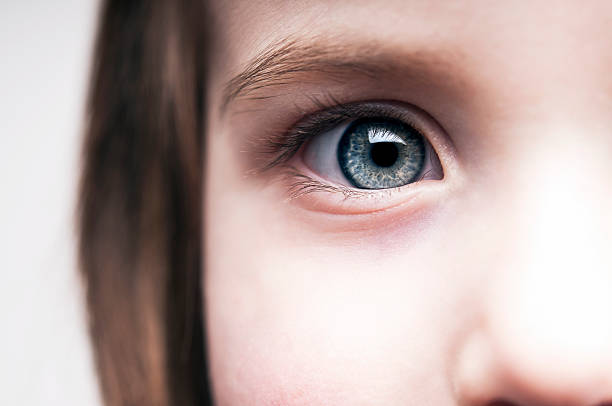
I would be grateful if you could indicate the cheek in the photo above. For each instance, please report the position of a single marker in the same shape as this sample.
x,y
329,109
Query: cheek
x,y
307,325
294,321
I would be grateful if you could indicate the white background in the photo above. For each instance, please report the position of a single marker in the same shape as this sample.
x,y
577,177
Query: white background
x,y
45,47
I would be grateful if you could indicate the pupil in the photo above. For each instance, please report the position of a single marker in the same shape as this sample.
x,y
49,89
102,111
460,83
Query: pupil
x,y
384,154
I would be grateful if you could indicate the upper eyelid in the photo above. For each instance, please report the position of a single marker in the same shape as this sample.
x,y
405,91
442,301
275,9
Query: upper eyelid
x,y
330,113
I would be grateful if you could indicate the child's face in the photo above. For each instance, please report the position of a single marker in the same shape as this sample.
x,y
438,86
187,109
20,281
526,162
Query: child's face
x,y
461,254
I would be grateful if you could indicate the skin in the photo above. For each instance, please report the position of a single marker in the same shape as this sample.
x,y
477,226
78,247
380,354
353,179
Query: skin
x,y
493,283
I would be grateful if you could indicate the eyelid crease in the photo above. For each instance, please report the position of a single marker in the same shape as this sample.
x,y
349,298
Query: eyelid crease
x,y
280,148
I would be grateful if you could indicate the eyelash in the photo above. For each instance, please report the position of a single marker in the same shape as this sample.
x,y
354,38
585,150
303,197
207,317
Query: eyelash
x,y
303,184
280,149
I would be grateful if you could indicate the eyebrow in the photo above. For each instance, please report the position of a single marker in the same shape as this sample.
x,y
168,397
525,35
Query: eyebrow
x,y
282,62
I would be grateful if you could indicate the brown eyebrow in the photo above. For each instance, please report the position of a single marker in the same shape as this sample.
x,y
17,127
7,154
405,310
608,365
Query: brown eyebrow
x,y
281,62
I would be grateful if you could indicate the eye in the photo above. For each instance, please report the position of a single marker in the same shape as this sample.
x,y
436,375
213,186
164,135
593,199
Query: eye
x,y
372,153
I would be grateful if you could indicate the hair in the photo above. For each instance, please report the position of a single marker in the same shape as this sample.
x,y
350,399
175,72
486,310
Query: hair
x,y
140,208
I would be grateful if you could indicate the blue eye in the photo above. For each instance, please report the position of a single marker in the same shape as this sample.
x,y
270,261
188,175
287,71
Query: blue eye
x,y
371,146
378,153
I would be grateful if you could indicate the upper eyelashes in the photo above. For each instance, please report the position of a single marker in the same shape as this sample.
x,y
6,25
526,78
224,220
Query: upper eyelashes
x,y
361,146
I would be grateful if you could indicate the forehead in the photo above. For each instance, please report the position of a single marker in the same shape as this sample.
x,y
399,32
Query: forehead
x,y
253,23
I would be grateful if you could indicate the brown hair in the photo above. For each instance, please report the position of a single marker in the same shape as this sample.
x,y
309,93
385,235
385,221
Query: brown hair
x,y
141,201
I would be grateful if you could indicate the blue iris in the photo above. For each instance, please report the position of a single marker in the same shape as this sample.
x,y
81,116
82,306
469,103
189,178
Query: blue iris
x,y
380,153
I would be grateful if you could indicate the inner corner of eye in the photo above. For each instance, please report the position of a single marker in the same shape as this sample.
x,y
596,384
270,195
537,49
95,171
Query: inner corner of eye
x,y
373,153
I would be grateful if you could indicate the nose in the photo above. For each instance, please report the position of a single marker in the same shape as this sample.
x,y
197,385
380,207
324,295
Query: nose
x,y
544,331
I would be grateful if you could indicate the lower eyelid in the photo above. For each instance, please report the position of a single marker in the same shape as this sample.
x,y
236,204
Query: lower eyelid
x,y
302,183
307,190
